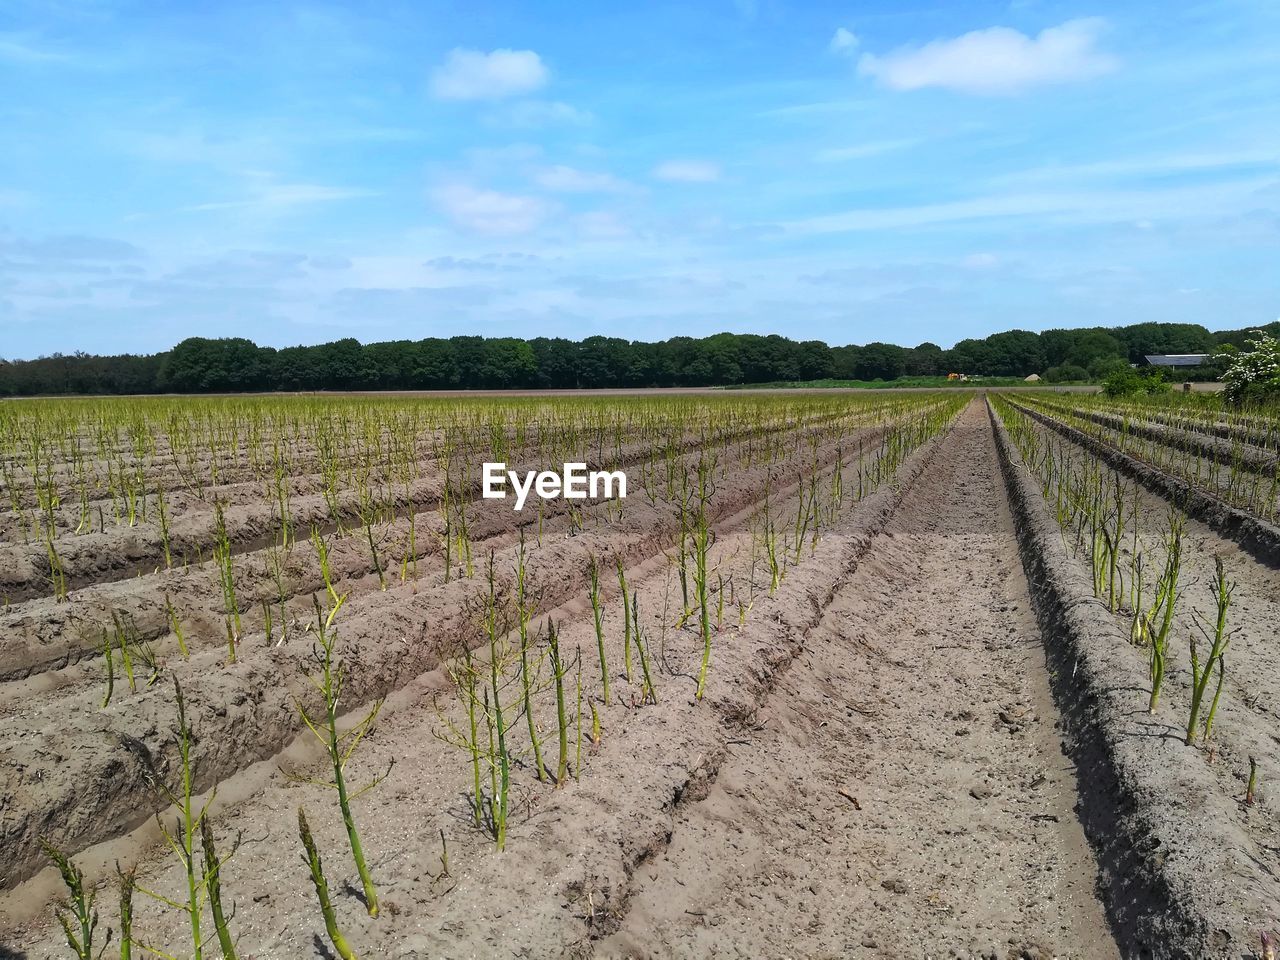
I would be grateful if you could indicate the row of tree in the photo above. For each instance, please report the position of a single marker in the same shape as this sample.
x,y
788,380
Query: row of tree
x,y
200,365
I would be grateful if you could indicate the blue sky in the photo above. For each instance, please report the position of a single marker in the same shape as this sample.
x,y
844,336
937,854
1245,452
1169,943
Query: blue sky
x,y
899,171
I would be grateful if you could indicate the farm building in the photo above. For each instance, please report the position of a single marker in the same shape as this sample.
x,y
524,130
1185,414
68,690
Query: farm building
x,y
1177,359
1034,378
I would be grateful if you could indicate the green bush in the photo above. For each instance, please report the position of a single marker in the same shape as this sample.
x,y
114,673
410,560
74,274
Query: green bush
x,y
1253,376
1066,373
1129,382
1102,367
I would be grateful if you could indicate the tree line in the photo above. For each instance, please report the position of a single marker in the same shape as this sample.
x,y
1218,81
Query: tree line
x,y
229,365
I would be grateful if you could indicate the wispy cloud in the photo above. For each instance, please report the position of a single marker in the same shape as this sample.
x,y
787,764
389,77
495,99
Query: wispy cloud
x,y
23,48
70,247
1074,206
535,114
490,211
267,194
687,171
564,179
475,75
1208,161
466,265
602,225
998,60
818,108
389,305
859,151
196,145
843,41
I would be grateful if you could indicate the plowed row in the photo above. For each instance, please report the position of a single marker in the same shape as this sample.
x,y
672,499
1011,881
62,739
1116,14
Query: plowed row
x,y
922,734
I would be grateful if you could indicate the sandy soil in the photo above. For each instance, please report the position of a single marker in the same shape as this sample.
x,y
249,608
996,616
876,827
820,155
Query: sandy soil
x,y
1249,712
880,767
1187,869
65,740
873,671
903,792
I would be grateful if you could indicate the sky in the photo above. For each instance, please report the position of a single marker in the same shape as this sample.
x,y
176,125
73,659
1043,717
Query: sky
x,y
894,170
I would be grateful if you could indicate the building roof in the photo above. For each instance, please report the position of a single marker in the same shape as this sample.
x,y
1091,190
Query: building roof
x,y
1177,359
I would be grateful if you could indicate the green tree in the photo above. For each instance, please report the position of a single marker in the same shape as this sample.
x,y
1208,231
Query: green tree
x,y
199,365
881,361
925,360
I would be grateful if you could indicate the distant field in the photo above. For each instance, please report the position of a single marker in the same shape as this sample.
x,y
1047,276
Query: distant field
x,y
901,382
931,383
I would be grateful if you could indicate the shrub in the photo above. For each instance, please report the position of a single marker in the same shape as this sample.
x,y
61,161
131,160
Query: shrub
x,y
1066,373
1102,367
1253,376
1129,382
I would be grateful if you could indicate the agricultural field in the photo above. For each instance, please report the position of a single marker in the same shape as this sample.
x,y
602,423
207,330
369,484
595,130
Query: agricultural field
x,y
934,673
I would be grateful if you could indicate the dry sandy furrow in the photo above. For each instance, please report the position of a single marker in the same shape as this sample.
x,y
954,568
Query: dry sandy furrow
x,y
586,832
905,792
1247,723
1251,487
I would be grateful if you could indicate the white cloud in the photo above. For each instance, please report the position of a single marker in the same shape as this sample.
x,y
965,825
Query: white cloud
x,y
842,41
267,194
489,211
232,152
602,225
475,75
1072,206
19,48
540,113
501,160
563,179
995,61
1150,165
70,247
872,149
687,171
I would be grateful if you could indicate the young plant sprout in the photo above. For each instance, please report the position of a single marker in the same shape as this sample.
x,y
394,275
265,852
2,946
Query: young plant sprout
x,y
595,724
108,655
328,679
577,729
1159,619
626,619
702,540
1202,670
482,686
495,719
597,613
464,674
79,917
648,690
444,856
226,577
213,887
311,856
126,880
528,682
559,670
182,839
175,625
